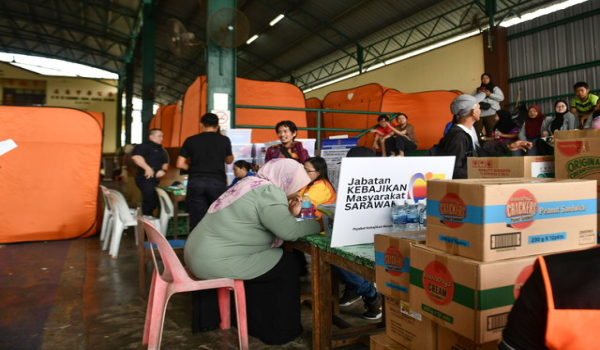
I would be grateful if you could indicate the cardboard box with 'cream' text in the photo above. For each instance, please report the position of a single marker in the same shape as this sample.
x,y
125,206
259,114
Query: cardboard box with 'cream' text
x,y
469,297
494,219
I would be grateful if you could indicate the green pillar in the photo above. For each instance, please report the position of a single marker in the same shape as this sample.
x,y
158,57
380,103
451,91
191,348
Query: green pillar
x,y
119,113
220,71
148,42
129,77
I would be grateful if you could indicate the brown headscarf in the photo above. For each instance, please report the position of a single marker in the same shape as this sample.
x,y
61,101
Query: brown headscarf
x,y
533,126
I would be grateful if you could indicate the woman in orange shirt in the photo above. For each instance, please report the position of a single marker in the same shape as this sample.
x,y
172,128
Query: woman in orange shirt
x,y
319,189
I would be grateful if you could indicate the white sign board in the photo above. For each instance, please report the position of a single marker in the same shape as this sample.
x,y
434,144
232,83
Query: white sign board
x,y
368,186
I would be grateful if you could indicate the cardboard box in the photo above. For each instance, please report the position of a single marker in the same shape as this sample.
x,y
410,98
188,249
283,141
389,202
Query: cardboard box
x,y
494,219
503,167
392,262
471,298
408,327
448,340
382,342
577,155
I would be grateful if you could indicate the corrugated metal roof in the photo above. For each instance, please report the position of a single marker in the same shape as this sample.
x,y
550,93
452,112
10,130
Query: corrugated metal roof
x,y
318,40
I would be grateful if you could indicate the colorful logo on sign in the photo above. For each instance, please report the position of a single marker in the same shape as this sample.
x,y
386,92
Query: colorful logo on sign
x,y
394,261
521,279
453,210
417,186
438,283
520,209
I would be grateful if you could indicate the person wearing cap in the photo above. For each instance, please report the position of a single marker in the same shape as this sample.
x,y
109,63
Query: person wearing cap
x,y
460,141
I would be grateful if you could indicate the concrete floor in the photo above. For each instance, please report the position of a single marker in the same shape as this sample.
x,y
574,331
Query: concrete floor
x,y
71,295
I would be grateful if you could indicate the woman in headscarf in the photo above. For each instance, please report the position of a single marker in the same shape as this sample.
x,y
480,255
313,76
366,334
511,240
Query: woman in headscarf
x,y
489,106
562,120
531,130
236,240
505,130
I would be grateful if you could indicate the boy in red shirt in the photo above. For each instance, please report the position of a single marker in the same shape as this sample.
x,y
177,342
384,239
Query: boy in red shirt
x,y
382,132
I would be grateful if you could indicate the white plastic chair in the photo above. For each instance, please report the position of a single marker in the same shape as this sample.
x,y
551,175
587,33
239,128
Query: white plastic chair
x,y
166,210
122,218
107,217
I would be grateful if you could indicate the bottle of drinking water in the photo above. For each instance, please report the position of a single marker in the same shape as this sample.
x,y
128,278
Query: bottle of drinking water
x,y
422,213
307,209
399,217
412,216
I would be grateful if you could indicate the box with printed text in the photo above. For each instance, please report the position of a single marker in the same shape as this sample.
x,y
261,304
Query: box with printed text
x,y
392,262
407,326
470,297
577,154
494,219
503,167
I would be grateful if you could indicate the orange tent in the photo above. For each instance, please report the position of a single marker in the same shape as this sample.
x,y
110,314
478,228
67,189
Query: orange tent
x,y
49,182
428,112
248,92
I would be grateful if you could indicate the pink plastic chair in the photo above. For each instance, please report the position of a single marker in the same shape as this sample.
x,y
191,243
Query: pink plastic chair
x,y
176,279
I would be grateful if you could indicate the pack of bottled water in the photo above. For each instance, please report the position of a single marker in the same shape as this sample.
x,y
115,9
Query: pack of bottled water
x,y
409,216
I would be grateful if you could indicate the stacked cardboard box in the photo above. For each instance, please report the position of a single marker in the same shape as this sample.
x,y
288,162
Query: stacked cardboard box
x,y
392,270
494,219
483,237
382,342
392,262
577,155
505,167
408,327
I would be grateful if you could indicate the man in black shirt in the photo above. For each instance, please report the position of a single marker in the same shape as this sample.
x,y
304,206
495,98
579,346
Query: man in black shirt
x,y
203,157
460,141
152,161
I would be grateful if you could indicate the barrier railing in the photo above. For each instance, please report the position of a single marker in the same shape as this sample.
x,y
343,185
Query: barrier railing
x,y
318,128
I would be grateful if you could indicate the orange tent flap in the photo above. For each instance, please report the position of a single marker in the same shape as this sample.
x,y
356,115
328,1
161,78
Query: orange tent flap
x,y
192,109
176,140
428,112
275,94
49,182
166,122
363,98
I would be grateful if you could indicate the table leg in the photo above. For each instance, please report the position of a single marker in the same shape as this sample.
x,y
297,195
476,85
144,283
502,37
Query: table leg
x,y
321,290
175,216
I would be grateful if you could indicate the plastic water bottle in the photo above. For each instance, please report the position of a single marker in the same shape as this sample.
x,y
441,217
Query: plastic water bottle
x,y
412,216
399,217
422,204
307,209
